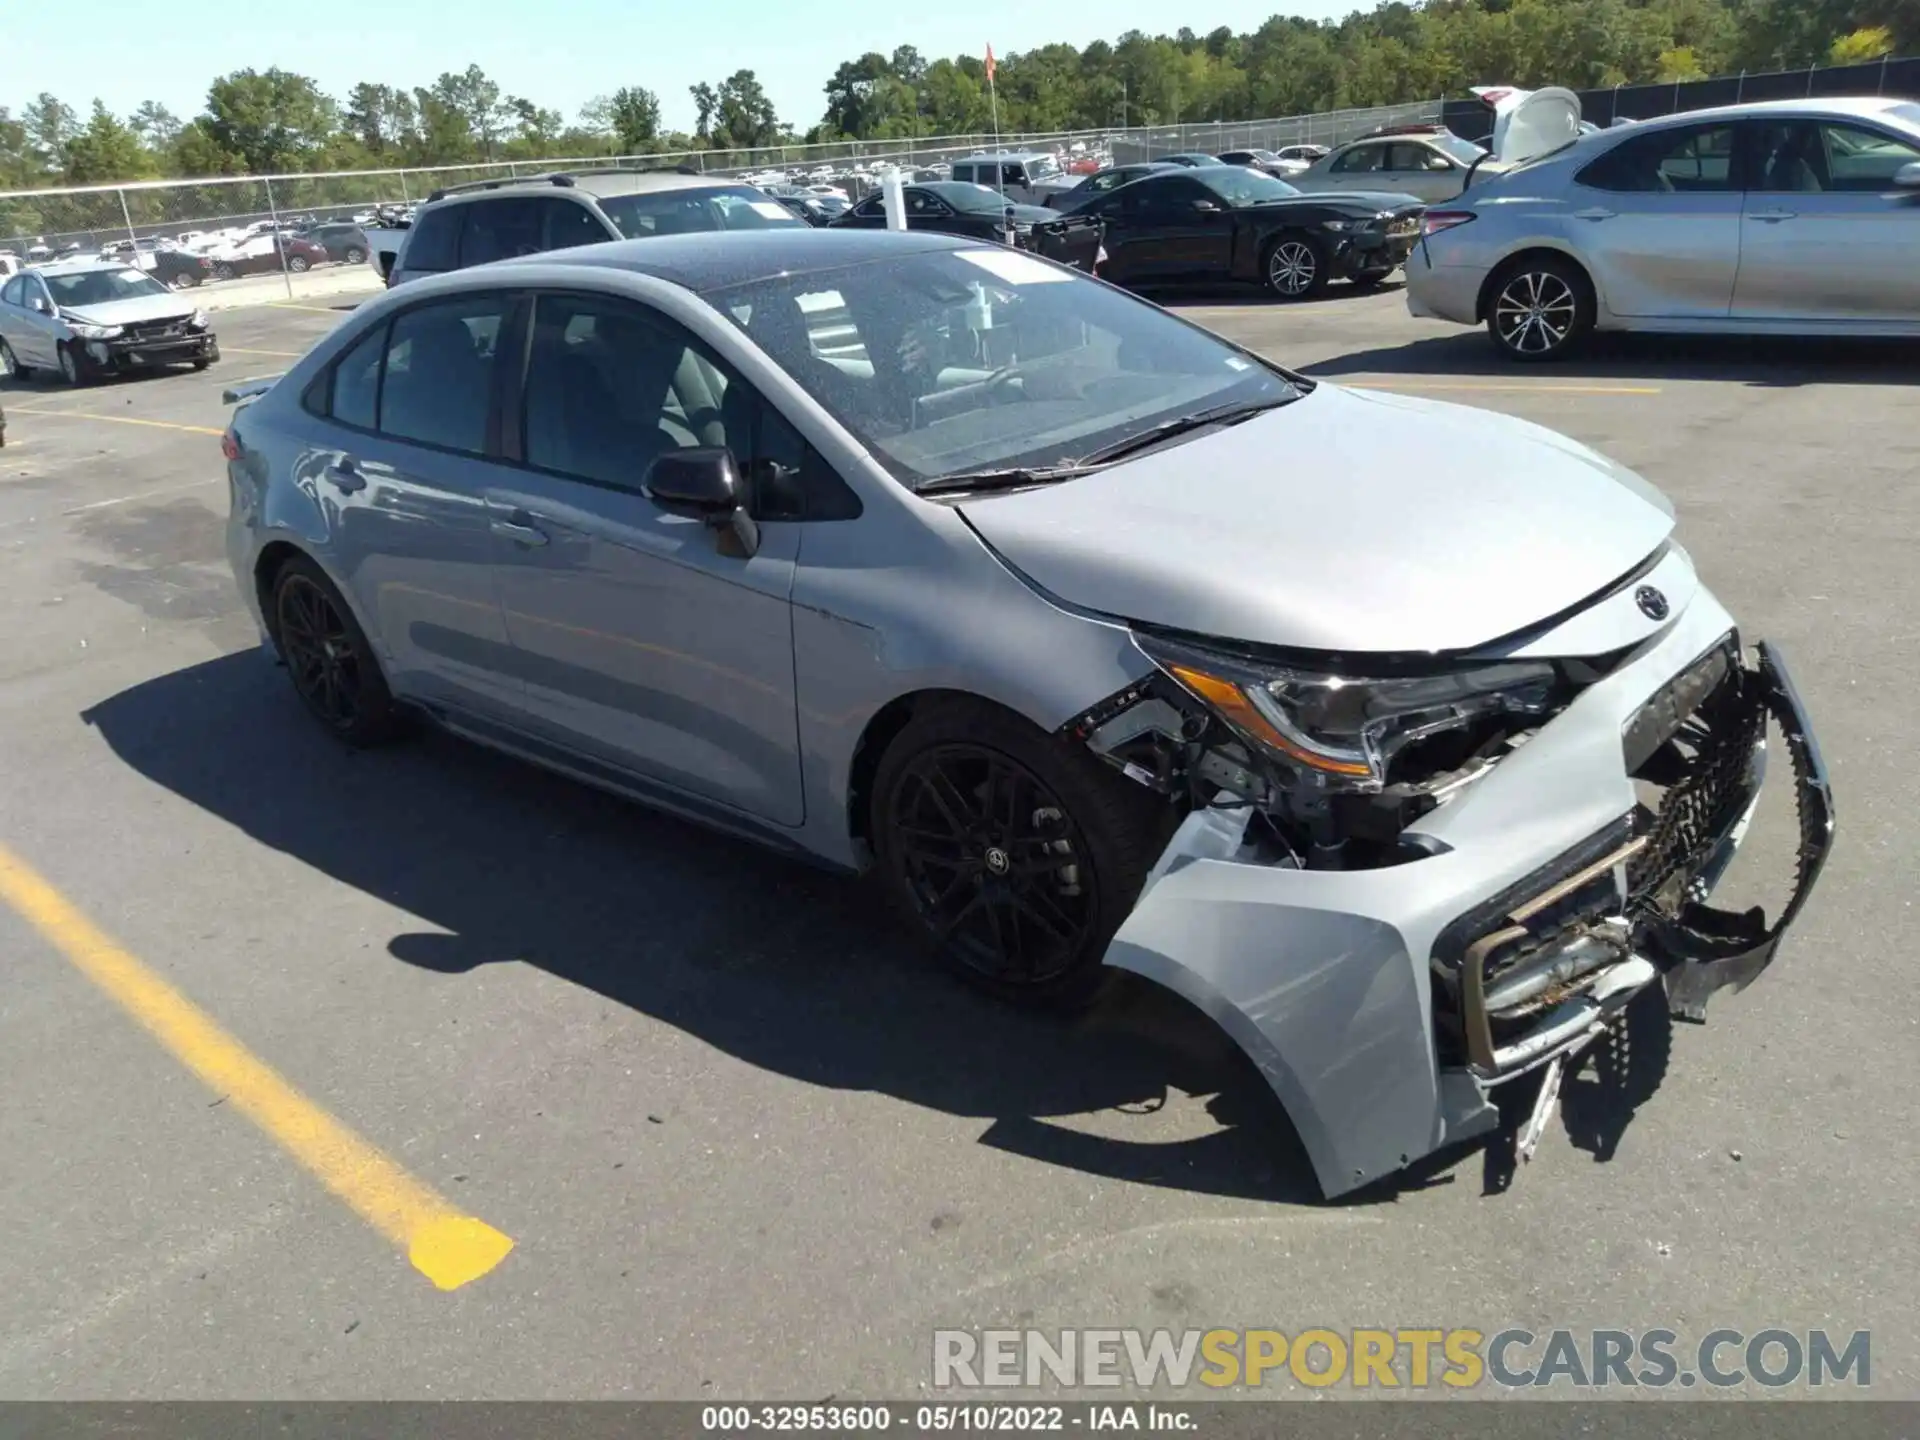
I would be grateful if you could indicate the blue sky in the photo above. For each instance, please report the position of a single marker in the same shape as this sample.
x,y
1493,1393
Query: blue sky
x,y
558,54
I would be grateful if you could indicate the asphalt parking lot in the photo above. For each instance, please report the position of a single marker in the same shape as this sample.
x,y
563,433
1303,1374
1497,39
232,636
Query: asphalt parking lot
x,y
742,1142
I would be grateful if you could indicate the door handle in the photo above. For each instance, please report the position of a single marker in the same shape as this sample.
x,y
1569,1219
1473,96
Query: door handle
x,y
520,529
1597,212
344,475
1771,217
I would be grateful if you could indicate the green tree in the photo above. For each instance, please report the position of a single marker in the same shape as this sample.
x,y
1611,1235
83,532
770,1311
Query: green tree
x,y
105,149
706,105
379,117
633,115
475,99
273,120
156,125
50,126
744,115
536,130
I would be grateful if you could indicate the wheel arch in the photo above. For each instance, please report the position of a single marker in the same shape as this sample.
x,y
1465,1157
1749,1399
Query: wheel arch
x,y
883,727
1497,275
268,564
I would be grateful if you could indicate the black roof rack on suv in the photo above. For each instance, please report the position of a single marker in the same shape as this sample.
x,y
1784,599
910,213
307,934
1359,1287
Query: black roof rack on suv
x,y
560,178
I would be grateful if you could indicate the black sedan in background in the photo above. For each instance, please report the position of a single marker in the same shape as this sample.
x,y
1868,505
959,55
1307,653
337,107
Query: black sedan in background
x,y
1224,222
1102,182
956,207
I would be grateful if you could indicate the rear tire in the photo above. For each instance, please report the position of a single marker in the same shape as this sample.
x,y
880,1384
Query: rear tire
x,y
297,264
355,255
223,272
333,668
1014,854
10,364
1539,309
1296,267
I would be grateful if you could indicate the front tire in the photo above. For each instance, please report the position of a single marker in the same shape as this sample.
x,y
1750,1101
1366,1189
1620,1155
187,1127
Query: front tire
x,y
1014,854
333,668
355,255
1297,267
71,371
297,264
10,364
1540,309
223,272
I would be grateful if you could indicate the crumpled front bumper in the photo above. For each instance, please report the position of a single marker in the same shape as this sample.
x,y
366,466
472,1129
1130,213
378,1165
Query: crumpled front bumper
x,y
1371,999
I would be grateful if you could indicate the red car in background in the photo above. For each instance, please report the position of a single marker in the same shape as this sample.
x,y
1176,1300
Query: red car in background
x,y
262,253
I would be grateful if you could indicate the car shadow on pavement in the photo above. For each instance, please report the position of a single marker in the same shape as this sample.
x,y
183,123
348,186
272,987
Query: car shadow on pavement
x,y
789,968
1759,361
1175,297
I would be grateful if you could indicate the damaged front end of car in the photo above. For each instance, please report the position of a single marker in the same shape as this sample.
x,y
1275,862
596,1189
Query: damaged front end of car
x,y
1402,883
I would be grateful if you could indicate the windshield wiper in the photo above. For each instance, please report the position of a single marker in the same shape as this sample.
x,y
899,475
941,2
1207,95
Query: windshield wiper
x,y
1012,478
1180,425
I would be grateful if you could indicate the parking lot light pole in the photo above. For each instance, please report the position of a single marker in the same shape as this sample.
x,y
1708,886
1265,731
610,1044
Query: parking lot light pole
x,y
273,215
127,215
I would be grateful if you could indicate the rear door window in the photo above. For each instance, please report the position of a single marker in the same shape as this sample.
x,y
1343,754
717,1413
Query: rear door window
x,y
438,384
1685,157
434,241
566,223
499,230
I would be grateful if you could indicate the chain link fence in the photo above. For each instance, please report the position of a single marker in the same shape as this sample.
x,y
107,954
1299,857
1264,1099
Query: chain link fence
x,y
1334,127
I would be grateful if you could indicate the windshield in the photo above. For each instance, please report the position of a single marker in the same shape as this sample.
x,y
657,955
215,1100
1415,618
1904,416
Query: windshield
x,y
98,287
961,360
1043,167
1242,187
678,212
1465,151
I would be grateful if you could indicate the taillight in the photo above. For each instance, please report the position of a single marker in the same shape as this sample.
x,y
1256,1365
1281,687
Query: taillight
x,y
229,444
1438,220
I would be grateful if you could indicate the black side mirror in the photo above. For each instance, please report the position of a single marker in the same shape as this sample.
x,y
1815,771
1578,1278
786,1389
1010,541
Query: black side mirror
x,y
704,481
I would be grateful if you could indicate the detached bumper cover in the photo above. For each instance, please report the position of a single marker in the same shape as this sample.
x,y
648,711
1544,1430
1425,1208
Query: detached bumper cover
x,y
1348,988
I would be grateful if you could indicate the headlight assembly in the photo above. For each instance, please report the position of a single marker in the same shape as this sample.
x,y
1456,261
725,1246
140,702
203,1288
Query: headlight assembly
x,y
93,332
1340,728
199,320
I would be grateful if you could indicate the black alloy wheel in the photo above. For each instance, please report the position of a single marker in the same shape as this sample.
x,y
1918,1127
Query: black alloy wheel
x,y
332,667
1014,853
997,868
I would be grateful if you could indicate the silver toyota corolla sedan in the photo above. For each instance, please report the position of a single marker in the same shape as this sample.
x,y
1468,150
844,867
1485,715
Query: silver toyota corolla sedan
x,y
1798,217
1400,738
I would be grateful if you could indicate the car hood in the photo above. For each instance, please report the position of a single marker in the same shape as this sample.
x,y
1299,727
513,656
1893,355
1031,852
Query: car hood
x,y
131,310
1346,521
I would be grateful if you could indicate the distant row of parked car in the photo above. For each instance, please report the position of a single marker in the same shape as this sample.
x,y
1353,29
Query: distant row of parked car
x,y
194,257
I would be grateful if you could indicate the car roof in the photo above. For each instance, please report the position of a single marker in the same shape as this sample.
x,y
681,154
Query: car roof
x,y
1004,155
594,183
1864,107
81,264
717,259
957,192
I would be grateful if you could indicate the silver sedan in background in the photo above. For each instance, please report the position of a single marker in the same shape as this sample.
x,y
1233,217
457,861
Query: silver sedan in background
x,y
1797,217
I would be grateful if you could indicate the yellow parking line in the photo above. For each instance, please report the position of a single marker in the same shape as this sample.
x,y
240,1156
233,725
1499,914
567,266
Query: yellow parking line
x,y
1415,383
117,420
448,1247
242,350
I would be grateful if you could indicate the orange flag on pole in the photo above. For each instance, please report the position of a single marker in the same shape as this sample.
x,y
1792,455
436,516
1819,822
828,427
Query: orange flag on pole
x,y
989,64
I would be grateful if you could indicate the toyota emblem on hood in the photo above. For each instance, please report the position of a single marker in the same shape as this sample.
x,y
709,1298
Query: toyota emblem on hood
x,y
1652,603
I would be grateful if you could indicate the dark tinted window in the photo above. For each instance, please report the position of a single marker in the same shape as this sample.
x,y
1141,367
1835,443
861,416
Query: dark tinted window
x,y
356,381
1808,155
567,223
434,241
439,372
610,386
1687,157
500,229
